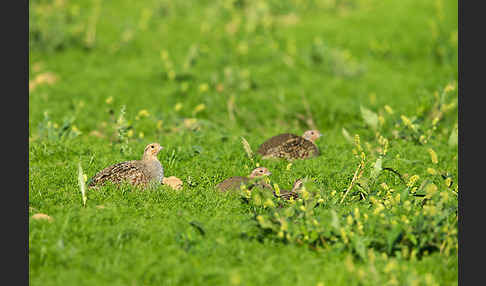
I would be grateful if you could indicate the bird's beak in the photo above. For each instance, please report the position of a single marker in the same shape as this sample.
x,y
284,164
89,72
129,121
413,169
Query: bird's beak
x,y
269,173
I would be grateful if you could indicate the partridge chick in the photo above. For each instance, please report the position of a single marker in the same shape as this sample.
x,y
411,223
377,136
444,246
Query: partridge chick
x,y
291,146
135,172
286,194
235,182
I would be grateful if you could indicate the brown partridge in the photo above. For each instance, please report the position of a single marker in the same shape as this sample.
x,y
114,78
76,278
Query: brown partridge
x,y
286,194
136,172
235,182
291,146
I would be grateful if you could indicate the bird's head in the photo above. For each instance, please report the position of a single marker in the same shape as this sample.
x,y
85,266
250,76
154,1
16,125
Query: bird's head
x,y
312,135
151,151
260,172
298,184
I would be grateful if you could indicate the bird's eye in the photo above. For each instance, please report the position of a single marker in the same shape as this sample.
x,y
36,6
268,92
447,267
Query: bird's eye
x,y
152,146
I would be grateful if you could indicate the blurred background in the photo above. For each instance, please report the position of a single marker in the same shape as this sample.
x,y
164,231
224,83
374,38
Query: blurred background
x,y
259,65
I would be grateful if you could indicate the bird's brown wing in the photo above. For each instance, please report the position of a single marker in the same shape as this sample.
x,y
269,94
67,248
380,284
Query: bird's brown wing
x,y
232,183
286,195
288,146
129,171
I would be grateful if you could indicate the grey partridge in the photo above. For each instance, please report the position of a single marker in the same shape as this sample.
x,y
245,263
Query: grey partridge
x,y
291,146
286,194
234,183
136,172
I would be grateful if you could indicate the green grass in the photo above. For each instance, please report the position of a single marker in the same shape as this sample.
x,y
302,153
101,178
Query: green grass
x,y
258,72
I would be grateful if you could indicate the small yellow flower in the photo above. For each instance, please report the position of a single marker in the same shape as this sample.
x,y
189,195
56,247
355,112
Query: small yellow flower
x,y
140,135
130,133
450,87
288,166
384,186
109,100
199,107
381,119
349,219
143,113
431,171
268,203
388,109
259,218
433,156
85,177
448,182
412,180
178,106
159,124
277,189
203,87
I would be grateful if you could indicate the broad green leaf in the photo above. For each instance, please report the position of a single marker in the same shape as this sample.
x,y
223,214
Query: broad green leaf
x,y
347,136
335,220
376,168
369,117
393,236
359,247
453,137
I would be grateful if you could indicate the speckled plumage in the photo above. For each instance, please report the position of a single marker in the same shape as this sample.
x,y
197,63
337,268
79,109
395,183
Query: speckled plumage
x,y
234,183
288,194
135,172
289,146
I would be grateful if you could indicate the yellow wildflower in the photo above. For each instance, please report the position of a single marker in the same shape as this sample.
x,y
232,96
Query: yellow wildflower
x,y
203,87
433,156
412,180
199,107
143,113
450,87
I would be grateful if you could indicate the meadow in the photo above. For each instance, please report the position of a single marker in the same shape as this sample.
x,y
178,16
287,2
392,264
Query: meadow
x,y
377,78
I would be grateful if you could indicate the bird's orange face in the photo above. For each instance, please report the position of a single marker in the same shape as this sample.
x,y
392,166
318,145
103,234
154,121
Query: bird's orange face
x,y
312,135
260,172
152,150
